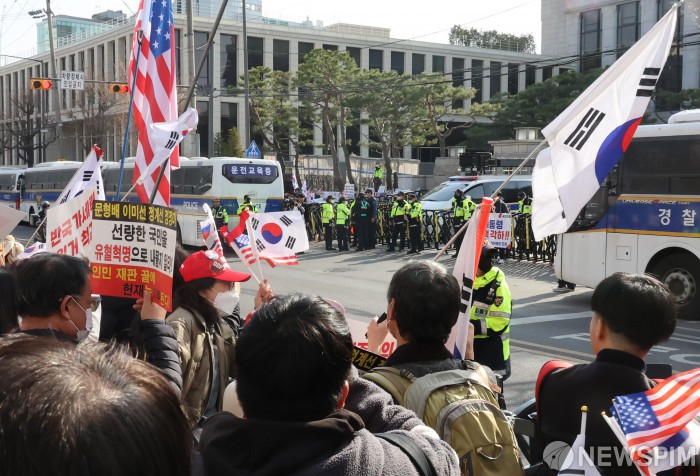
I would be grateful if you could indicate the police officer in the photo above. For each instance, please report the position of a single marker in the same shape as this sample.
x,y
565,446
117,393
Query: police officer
x,y
399,210
374,213
41,234
524,202
378,176
490,315
415,216
341,224
458,219
220,214
360,217
327,216
246,205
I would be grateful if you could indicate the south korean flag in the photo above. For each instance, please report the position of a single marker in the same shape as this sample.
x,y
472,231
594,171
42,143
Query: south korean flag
x,y
87,175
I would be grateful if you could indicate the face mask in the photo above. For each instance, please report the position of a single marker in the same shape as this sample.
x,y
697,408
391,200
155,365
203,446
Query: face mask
x,y
82,335
226,302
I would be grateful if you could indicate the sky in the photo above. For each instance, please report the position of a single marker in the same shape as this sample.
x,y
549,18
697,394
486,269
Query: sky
x,y
429,20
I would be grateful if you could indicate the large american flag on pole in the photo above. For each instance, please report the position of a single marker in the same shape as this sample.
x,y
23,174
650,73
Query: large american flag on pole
x,y
155,94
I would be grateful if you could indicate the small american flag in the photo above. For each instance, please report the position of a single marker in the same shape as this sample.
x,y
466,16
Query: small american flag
x,y
653,417
155,94
241,245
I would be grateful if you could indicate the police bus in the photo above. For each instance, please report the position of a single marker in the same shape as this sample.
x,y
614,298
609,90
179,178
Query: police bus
x,y
645,218
198,181
10,187
195,183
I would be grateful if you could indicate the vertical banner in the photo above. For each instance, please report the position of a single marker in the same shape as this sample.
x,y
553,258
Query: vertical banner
x,y
133,251
498,230
69,225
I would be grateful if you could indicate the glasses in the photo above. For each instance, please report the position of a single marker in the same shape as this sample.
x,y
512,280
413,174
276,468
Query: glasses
x,y
95,300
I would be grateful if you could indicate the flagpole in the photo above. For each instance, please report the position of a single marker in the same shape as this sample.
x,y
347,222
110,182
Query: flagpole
x,y
532,154
128,119
158,180
37,229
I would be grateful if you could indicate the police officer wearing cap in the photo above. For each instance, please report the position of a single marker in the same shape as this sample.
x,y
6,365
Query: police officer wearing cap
x,y
247,205
327,216
490,314
341,224
361,212
397,216
415,215
378,176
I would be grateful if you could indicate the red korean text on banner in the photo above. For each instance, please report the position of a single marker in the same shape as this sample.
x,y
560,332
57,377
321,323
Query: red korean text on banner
x,y
133,251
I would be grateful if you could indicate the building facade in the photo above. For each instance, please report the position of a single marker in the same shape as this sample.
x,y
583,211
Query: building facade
x,y
599,31
104,57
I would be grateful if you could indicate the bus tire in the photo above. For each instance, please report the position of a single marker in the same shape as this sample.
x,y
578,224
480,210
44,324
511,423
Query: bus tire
x,y
681,273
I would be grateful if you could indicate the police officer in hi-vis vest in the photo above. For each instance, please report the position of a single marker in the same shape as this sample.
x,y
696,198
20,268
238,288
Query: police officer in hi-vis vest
x,y
415,216
327,216
341,224
397,216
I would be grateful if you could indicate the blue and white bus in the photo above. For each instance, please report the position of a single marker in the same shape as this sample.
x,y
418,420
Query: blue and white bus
x,y
10,187
645,218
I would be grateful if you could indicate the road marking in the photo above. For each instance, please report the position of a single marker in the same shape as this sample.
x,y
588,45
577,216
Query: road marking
x,y
680,337
691,359
585,337
549,347
523,321
548,354
692,329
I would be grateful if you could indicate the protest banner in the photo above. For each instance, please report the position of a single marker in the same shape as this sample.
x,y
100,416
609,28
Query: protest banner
x,y
349,191
69,225
499,230
9,219
133,250
358,329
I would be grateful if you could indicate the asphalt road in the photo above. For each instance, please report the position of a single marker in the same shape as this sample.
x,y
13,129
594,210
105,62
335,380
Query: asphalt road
x,y
544,326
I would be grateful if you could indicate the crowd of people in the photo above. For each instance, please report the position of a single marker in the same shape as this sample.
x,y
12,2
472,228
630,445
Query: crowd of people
x,y
213,389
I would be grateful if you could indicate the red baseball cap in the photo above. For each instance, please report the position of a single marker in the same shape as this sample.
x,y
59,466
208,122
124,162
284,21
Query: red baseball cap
x,y
208,264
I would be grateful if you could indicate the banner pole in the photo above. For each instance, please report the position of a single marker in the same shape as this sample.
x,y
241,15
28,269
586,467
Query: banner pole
x,y
128,120
532,154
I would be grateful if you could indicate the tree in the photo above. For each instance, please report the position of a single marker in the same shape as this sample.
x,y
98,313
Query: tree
x,y
391,108
492,39
323,79
22,128
93,118
435,97
228,146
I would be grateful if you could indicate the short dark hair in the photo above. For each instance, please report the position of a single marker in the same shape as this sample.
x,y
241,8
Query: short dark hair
x,y
8,303
45,279
639,307
427,300
93,410
293,358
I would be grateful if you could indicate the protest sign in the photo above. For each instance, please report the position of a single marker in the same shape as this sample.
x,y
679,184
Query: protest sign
x,y
9,219
349,191
358,329
69,225
499,230
133,250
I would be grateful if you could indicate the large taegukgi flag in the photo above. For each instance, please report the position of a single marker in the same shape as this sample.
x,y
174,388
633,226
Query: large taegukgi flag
x,y
155,94
590,136
465,272
276,237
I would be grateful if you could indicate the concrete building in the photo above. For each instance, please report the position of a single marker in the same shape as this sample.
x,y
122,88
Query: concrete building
x,y
601,30
104,56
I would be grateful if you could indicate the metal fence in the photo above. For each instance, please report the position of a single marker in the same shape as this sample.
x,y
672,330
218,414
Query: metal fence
x,y
438,228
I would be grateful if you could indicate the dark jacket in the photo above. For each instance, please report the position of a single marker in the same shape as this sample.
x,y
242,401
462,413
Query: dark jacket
x,y
564,391
161,350
500,207
339,444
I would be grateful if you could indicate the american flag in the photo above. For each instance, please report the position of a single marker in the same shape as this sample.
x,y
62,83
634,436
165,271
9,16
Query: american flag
x,y
155,94
654,417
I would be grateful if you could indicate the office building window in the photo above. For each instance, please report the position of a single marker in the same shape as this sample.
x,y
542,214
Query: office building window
x,y
376,59
229,117
546,73
397,61
200,41
627,26
590,41
203,128
255,52
672,76
304,49
178,47
495,78
354,53
280,55
478,79
530,75
438,64
330,47
458,79
513,71
417,64
228,61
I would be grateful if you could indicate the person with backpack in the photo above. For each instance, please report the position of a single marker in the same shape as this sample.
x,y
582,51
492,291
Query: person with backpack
x,y
422,375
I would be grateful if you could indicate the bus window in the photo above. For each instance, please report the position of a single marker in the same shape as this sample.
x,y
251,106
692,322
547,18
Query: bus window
x,y
198,179
7,181
251,174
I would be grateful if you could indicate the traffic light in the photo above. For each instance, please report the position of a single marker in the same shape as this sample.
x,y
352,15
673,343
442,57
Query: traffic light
x,y
119,88
40,83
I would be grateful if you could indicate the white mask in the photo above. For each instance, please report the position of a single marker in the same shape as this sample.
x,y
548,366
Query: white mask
x,y
82,335
226,302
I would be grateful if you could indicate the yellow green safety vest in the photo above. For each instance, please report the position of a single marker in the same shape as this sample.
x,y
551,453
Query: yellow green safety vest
x,y
468,207
494,319
379,172
327,213
343,213
525,206
399,211
252,208
458,209
415,210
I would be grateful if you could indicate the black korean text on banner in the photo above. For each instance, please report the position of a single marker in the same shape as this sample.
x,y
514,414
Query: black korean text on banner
x,y
69,225
133,250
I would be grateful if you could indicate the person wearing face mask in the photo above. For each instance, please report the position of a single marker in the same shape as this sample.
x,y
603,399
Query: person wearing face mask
x,y
490,314
207,342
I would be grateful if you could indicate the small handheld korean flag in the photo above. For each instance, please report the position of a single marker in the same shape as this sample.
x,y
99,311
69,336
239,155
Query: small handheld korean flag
x,y
87,175
278,236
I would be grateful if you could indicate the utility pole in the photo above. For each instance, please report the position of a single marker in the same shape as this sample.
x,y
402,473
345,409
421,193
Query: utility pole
x,y
246,115
57,90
